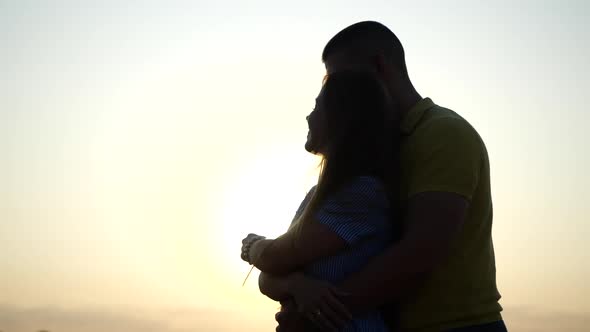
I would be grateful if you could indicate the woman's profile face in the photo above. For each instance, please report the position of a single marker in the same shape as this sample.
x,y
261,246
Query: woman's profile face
x,y
315,121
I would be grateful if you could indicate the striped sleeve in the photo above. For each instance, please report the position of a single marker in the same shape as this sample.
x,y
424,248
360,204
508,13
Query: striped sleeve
x,y
351,211
303,205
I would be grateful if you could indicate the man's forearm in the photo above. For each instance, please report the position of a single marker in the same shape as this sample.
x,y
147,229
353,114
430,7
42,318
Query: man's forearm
x,y
434,219
390,277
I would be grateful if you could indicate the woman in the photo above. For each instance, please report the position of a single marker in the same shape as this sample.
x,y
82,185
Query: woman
x,y
347,218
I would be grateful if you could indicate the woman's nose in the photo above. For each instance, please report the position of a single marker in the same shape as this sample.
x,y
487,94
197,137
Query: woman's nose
x,y
307,118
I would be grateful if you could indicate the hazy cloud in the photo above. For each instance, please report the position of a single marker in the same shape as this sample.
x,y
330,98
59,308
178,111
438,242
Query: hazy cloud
x,y
519,319
62,320
526,319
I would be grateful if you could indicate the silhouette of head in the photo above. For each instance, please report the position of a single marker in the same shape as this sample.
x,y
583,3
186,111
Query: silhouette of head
x,y
351,121
351,127
367,46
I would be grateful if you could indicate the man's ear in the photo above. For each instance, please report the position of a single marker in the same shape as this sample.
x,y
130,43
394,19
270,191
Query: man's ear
x,y
388,71
382,66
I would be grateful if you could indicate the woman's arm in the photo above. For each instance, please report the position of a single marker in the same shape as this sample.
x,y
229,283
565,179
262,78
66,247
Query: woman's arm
x,y
280,288
343,219
275,287
286,254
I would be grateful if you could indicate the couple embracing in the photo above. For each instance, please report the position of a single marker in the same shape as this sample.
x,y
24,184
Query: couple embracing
x,y
397,233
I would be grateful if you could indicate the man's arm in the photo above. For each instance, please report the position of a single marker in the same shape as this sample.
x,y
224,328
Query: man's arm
x,y
442,176
434,219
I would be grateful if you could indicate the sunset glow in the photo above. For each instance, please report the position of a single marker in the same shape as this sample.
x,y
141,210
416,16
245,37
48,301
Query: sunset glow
x,y
142,141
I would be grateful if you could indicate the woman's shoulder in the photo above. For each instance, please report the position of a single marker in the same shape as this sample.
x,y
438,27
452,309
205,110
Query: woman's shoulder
x,y
367,181
362,191
365,185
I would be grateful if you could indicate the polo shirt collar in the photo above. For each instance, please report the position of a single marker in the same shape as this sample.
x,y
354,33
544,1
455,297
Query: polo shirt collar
x,y
414,115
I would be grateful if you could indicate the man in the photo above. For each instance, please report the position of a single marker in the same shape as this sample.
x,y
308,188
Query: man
x,y
441,274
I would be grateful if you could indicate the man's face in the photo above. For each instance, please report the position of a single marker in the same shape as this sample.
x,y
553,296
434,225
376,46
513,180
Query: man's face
x,y
334,66
340,62
378,66
344,61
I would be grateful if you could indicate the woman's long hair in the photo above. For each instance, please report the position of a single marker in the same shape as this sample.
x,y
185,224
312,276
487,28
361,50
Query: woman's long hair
x,y
360,136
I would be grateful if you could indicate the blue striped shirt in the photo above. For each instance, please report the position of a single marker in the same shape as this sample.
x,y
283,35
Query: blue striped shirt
x,y
359,213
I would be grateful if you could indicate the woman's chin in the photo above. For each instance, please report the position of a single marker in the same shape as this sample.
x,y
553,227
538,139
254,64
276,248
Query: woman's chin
x,y
310,147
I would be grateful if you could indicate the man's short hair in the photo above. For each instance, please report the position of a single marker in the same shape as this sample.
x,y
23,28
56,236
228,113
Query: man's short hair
x,y
367,38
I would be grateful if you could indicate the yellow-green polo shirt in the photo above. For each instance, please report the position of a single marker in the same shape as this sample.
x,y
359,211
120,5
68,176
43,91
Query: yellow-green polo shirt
x,y
441,151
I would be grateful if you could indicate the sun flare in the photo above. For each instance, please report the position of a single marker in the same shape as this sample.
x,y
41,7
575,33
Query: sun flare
x,y
261,196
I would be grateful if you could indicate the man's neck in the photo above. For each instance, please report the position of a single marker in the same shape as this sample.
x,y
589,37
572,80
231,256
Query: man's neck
x,y
407,100
403,93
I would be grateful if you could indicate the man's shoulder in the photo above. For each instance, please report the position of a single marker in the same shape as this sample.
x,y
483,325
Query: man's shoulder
x,y
445,123
441,116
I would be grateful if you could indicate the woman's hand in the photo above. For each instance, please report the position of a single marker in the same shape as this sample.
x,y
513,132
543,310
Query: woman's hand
x,y
319,301
248,247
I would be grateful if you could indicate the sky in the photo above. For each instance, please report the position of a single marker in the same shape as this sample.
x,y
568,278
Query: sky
x,y
140,141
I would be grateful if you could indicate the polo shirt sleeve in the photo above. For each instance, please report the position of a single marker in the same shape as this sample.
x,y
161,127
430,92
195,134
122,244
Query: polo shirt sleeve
x,y
354,211
447,157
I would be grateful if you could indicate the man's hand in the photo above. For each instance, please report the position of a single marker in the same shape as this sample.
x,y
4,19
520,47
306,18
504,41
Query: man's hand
x,y
315,302
320,302
290,320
